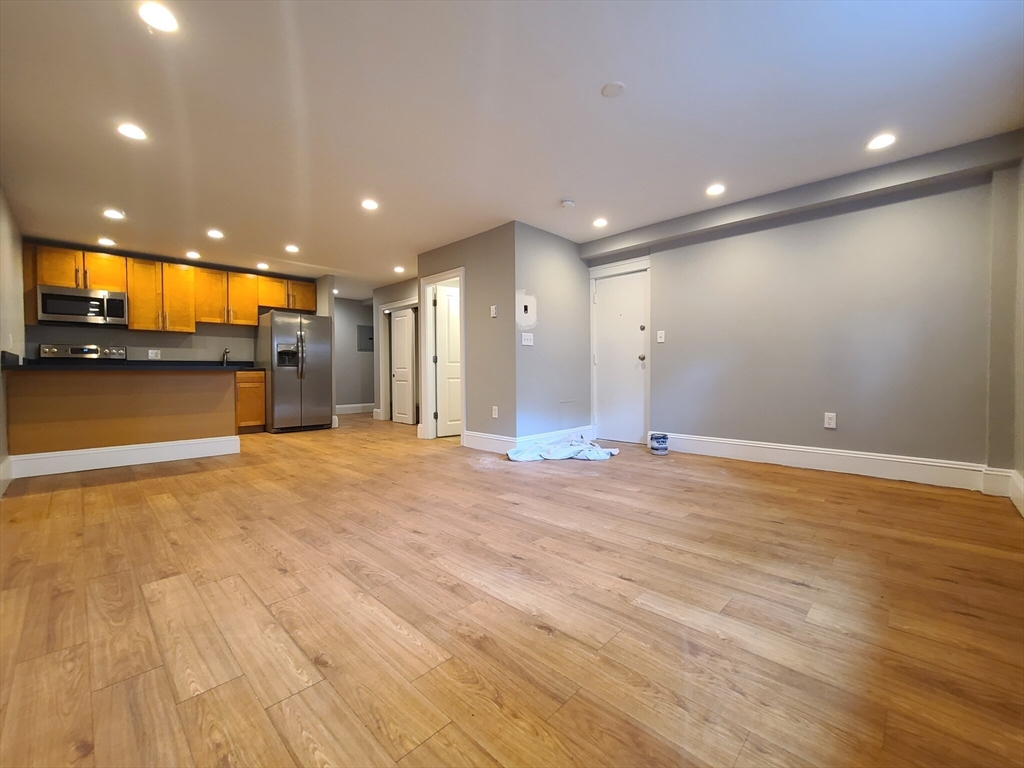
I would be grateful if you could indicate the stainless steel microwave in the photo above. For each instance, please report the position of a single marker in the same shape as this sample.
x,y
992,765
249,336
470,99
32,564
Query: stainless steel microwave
x,y
81,305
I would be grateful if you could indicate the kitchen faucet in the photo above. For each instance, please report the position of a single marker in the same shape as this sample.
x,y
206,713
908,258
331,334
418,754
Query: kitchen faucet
x,y
224,357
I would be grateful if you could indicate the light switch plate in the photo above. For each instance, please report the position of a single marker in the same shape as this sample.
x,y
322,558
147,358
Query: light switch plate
x,y
527,339
661,337
154,354
494,411
494,310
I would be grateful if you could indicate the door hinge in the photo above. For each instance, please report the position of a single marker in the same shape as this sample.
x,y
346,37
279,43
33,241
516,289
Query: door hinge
x,y
435,415
435,302
435,359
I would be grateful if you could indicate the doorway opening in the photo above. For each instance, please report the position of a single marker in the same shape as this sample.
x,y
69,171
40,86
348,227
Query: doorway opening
x,y
443,338
404,399
385,342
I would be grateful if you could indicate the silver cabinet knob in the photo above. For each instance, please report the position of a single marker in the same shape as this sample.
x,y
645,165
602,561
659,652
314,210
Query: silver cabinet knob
x,y
642,358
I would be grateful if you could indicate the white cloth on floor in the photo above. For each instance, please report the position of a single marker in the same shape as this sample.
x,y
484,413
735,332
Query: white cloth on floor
x,y
569,447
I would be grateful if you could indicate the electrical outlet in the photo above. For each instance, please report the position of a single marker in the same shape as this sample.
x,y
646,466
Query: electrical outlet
x,y
661,337
154,354
494,310
494,411
527,339
830,421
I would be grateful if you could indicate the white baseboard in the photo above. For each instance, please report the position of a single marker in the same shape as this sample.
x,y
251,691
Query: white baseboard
x,y
421,432
334,422
482,441
378,414
1016,493
5,474
59,462
355,408
949,474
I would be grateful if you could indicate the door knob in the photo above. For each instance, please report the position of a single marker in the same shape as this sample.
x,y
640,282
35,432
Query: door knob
x,y
642,358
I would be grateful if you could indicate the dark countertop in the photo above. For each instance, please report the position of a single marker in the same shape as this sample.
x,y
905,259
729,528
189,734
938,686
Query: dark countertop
x,y
57,364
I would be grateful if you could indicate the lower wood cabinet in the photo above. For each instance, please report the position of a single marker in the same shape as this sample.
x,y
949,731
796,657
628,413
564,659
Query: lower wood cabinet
x,y
250,401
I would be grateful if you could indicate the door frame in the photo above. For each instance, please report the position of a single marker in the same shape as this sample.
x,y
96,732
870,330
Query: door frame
x,y
428,396
626,267
383,344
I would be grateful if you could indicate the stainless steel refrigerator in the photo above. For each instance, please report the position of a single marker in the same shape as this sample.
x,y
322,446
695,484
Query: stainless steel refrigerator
x,y
295,351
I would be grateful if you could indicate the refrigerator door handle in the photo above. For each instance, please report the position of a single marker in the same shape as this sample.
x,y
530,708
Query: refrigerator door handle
x,y
302,354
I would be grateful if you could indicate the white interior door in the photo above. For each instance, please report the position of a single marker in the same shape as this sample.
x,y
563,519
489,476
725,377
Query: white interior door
x,y
620,351
449,362
403,330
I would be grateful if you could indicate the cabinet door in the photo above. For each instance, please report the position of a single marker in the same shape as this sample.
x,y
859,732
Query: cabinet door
x,y
303,295
145,295
243,299
105,272
273,292
211,296
179,298
250,399
58,267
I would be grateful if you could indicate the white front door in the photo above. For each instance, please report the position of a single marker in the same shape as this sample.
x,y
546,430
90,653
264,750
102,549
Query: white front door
x,y
449,362
403,330
620,350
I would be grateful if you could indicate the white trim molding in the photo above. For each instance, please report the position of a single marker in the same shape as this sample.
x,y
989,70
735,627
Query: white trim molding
x,y
624,267
59,462
482,441
1014,489
354,408
378,414
950,474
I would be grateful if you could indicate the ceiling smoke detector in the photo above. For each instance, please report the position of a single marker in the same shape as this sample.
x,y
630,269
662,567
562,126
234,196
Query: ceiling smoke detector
x,y
568,203
613,89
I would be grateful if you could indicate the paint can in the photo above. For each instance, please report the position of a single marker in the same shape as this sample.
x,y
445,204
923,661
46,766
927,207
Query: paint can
x,y
659,443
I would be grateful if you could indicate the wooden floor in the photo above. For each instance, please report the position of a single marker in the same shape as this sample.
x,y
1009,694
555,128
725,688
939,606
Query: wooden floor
x,y
359,597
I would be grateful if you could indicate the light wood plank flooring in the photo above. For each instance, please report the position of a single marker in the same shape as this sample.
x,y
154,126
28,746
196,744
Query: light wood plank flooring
x,y
360,597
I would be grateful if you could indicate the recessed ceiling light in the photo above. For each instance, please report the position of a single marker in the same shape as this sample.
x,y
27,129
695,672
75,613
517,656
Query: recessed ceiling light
x,y
106,241
131,131
612,89
335,291
370,205
399,269
158,17
881,141
292,248
216,234
113,213
193,255
262,265
600,222
715,189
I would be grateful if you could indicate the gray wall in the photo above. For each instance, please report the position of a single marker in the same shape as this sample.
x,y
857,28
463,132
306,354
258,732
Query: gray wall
x,y
12,318
490,369
1018,462
207,343
552,376
353,370
407,289
880,315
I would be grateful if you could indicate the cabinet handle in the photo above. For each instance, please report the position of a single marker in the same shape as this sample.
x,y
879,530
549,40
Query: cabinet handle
x,y
76,278
85,273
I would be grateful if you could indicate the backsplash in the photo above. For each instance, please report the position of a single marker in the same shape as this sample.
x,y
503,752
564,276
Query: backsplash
x,y
207,343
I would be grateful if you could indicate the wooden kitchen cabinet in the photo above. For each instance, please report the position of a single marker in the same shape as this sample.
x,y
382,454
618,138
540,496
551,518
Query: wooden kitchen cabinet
x,y
273,292
302,295
58,267
243,299
161,296
211,286
250,400
104,272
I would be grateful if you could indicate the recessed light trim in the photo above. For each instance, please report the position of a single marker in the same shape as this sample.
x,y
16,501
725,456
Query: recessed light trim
x,y
601,222
216,234
292,248
158,17
715,189
106,241
370,205
612,89
399,269
881,141
193,255
113,213
131,131
262,265
335,291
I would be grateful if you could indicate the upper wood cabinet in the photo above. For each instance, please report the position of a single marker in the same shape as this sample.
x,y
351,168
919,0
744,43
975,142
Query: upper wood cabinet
x,y
243,299
211,296
58,267
273,292
161,297
302,295
80,269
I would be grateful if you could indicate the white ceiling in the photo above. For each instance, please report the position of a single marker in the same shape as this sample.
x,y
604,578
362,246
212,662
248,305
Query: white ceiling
x,y
273,120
